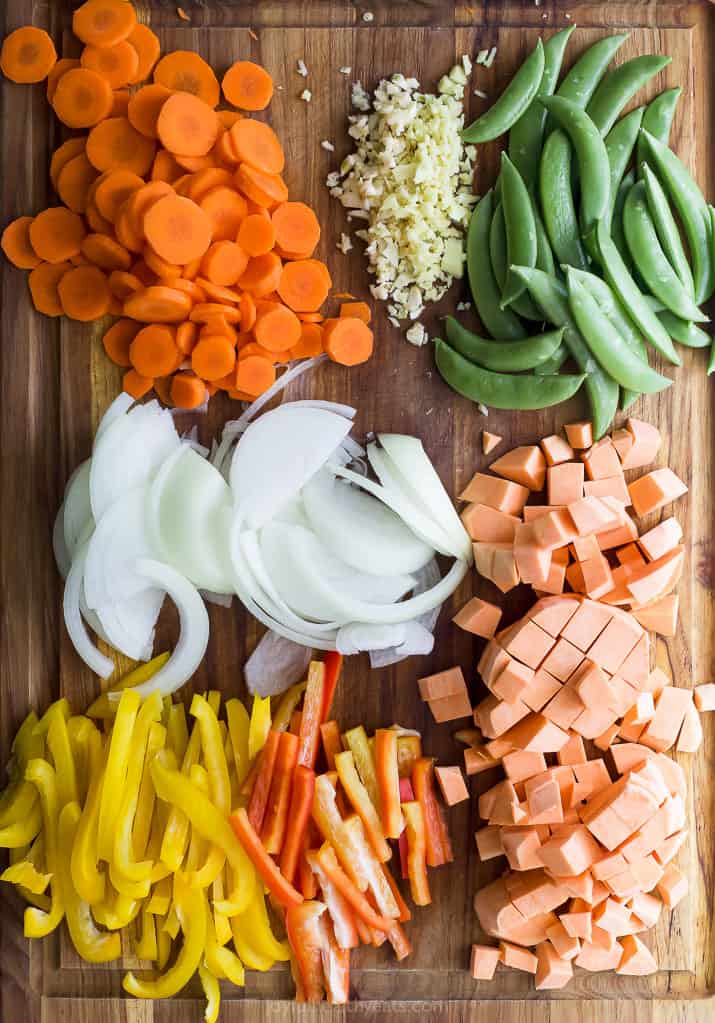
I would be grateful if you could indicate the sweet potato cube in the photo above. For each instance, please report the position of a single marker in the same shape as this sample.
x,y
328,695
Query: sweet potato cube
x,y
653,491
517,958
535,511
610,486
543,687
647,908
553,613
593,775
490,441
495,717
494,908
607,737
615,643
586,547
554,529
532,561
504,573
670,708
503,495
589,622
591,684
626,532
562,660
449,708
489,525
629,755
525,465
592,515
483,962
670,847
660,616
477,760
556,449
570,851
691,731
449,682
555,581
566,946
672,887
492,661
521,845
596,959
622,441
452,784
705,697
657,578
645,446
637,960
636,666
564,708
613,917
529,644
564,482
601,460
657,680
661,539
577,924
580,435
543,797
593,721
513,681
597,578
536,732
630,555
489,843
479,617
520,765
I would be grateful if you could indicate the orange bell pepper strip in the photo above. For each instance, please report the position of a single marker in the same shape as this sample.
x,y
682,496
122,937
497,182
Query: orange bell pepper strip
x,y
333,662
336,971
276,817
296,720
301,802
307,937
307,881
439,847
404,909
264,776
398,939
416,853
332,743
329,863
362,804
312,716
332,827
282,890
388,780
377,883
339,909
406,795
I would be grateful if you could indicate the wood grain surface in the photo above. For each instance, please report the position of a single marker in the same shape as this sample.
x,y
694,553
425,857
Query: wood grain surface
x,y
56,383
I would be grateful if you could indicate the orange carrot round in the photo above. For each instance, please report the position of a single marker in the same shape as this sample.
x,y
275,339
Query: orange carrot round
x,y
63,154
135,384
213,357
226,209
116,145
125,231
187,391
43,283
190,288
106,252
28,55
177,229
145,106
247,85
265,189
256,144
158,304
123,283
165,167
248,311
191,269
117,340
310,342
148,48
223,150
347,340
203,181
254,375
185,71
104,22
120,103
56,234
59,69
118,63
192,164
310,317
141,201
82,98
277,329
217,293
224,263
16,244
187,125
153,351
229,117
304,285
84,293
164,271
256,235
115,188
74,182
296,228
360,309
187,334
205,311
262,275
142,271
218,326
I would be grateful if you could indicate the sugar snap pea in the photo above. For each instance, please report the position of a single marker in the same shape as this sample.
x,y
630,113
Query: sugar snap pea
x,y
544,254
619,85
620,142
658,119
607,346
602,391
557,201
503,390
591,155
619,239
692,208
667,228
685,333
582,80
522,305
502,356
486,294
617,275
512,103
651,260
711,360
526,136
520,227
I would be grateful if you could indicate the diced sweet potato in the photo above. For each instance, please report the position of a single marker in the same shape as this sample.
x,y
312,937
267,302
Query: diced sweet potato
x,y
521,846
637,960
570,851
504,573
657,578
564,708
653,491
553,613
691,731
645,446
647,908
592,515
529,643
625,533
622,442
562,660
593,721
449,682
490,441
630,555
488,524
564,944
577,924
517,958
449,708
492,661
513,682
556,449
587,624
476,760
479,617
601,460
543,687
586,547
660,616
661,539
489,842
536,732
596,960
564,482
615,643
579,435
573,752
554,529
609,486
503,495
532,561
593,775
597,577
670,709
496,717
672,887
607,737
483,962
705,697
535,511
613,917
452,784
525,465
520,765
591,684
635,668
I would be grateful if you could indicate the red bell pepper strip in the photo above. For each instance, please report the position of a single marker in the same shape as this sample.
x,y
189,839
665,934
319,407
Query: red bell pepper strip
x,y
282,890
264,776
306,936
404,909
312,714
439,847
416,853
307,881
341,914
295,722
399,941
362,804
336,971
333,662
332,827
301,802
332,743
406,794
388,780
329,863
275,820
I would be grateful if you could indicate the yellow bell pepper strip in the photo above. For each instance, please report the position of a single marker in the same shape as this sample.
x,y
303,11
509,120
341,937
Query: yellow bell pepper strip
x,y
213,753
58,707
124,867
192,912
104,707
328,863
212,993
259,725
256,935
79,729
116,910
146,947
439,847
333,662
312,716
332,827
301,804
409,751
60,748
417,853
339,909
177,732
356,741
18,799
173,787
264,776
146,800
171,924
163,946
25,874
275,821
377,883
204,860
388,780
362,804
92,945
288,703
24,818
238,725
221,926
116,771
38,924
331,742
222,962
283,891
88,880
160,899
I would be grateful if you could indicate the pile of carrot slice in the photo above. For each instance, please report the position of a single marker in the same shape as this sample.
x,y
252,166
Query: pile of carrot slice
x,y
173,216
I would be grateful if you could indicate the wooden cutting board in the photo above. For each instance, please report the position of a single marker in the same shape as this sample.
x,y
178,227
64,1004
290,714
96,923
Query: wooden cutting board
x,y
57,382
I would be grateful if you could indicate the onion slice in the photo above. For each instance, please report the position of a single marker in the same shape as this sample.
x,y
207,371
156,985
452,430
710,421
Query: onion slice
x,y
76,630
275,664
77,506
59,548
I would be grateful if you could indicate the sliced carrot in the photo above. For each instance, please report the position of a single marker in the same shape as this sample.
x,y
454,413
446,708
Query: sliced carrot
x,y
115,307
117,340
59,69
153,351
217,293
104,22
16,245
205,311
296,228
162,389
78,260
226,210
185,71
224,263
256,235
253,348
163,270
310,342
142,271
116,145
218,326
125,230
203,181
177,229
304,285
115,188
141,201
262,275
63,154
187,391
82,98
106,252
347,340
96,222
158,304
248,311
28,55
190,288
261,211
265,189
118,63
135,384
191,269
256,144
277,329
187,335
120,103
56,234
84,293
254,375
247,85
74,182
229,117
148,48
223,149
359,309
310,317
122,284
192,164
213,357
43,283
165,167
187,125
145,106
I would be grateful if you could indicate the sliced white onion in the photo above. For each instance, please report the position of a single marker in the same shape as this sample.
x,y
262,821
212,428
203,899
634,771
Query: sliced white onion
x,y
356,637
292,373
119,407
329,406
59,548
78,509
417,641
194,624
276,664
129,624
120,538
220,599
76,630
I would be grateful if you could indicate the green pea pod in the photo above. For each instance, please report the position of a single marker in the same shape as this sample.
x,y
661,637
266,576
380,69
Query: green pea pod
x,y
544,255
500,261
667,228
554,364
594,170
502,356
688,334
619,238
582,80
520,227
486,294
503,390
620,143
619,86
526,136
692,208
651,260
625,287
557,202
550,294
658,119
608,347
711,360
512,103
